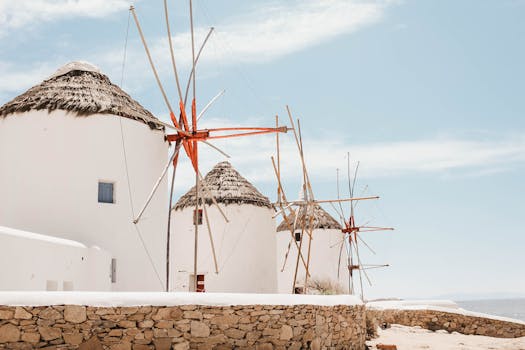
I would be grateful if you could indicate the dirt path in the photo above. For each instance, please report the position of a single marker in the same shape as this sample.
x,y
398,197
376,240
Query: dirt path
x,y
409,338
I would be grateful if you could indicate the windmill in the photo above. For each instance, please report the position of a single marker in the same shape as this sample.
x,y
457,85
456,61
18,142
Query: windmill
x,y
187,135
352,239
299,215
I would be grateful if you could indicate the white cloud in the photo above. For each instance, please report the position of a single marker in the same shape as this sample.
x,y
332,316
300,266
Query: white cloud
x,y
447,156
276,31
17,14
18,80
266,34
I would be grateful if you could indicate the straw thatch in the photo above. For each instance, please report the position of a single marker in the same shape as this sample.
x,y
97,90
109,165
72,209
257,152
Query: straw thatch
x,y
82,89
227,186
321,219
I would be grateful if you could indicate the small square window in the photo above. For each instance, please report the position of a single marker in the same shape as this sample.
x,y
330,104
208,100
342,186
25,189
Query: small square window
x,y
105,192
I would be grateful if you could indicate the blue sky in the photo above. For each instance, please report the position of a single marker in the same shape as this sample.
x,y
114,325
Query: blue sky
x,y
427,95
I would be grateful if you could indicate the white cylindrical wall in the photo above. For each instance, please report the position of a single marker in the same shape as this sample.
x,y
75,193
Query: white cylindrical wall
x,y
324,259
39,262
51,164
245,249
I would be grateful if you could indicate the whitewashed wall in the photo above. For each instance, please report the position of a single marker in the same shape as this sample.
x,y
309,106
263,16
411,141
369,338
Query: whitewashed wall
x,y
50,165
37,262
324,257
245,250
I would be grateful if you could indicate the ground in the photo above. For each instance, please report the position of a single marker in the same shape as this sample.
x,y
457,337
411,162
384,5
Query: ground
x,y
417,338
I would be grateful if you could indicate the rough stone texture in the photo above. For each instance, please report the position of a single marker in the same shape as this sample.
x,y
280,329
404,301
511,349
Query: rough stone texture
x,y
185,327
75,313
20,313
449,321
9,333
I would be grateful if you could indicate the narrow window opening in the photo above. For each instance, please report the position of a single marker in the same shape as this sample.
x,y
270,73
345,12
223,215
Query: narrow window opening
x,y
197,217
298,290
113,272
298,236
106,192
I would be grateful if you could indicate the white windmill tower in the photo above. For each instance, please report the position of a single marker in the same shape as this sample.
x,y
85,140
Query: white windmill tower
x,y
326,236
187,136
240,255
77,156
302,219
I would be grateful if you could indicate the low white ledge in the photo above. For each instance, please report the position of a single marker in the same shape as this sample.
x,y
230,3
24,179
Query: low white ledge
x,y
111,299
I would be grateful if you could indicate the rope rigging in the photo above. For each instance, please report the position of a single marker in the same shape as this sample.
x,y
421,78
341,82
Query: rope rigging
x,y
125,158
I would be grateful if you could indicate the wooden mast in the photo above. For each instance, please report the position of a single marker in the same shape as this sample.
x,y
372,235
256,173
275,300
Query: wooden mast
x,y
303,215
189,137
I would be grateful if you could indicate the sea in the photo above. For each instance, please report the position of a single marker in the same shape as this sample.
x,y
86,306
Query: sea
x,y
512,308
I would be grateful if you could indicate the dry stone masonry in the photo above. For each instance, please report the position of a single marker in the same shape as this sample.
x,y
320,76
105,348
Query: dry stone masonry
x,y
449,321
263,327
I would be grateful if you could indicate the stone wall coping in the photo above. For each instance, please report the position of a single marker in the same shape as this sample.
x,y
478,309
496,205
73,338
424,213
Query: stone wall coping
x,y
399,304
116,299
459,311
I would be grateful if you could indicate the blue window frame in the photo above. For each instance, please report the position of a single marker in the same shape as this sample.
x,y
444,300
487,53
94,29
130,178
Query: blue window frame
x,y
105,192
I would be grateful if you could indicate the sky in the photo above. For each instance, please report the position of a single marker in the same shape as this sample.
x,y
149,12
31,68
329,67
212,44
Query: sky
x,y
427,95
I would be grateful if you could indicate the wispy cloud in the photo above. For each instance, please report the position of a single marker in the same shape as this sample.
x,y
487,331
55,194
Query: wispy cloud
x,y
447,156
278,30
15,79
22,13
265,34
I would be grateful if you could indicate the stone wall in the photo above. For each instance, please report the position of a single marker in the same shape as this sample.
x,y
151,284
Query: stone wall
x,y
183,327
449,321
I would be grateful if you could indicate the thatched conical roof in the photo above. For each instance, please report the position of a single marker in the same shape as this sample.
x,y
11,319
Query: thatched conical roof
x,y
321,220
81,88
227,186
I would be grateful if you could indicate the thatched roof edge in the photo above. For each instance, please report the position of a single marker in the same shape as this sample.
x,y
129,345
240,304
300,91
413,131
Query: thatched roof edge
x,y
84,93
321,220
227,186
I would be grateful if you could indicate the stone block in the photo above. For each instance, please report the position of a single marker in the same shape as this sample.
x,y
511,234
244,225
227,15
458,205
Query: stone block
x,y
234,333
50,313
162,344
181,346
121,346
193,315
73,338
75,313
49,333
264,346
141,347
127,324
286,333
31,337
22,314
6,314
199,329
9,333
146,324
92,344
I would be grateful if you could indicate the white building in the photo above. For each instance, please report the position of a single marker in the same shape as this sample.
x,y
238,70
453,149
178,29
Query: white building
x,y
32,261
245,246
78,157
327,255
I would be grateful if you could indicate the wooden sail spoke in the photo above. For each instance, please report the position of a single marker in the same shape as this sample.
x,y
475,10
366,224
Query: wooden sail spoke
x,y
186,135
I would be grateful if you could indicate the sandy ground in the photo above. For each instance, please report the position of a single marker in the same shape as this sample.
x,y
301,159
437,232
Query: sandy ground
x,y
416,338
